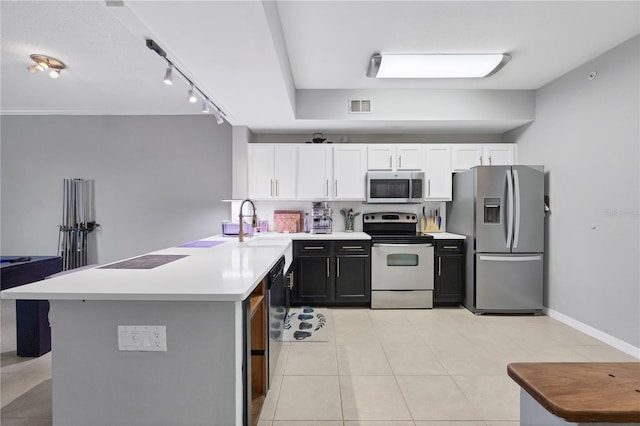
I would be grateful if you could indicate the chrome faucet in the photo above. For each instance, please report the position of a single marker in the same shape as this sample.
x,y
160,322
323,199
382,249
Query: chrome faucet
x,y
254,219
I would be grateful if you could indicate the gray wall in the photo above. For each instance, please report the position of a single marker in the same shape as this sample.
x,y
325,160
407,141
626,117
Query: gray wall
x,y
158,180
586,134
195,382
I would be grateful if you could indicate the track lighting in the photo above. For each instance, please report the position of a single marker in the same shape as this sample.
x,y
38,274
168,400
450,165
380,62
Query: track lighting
x,y
192,96
168,76
218,115
44,63
193,89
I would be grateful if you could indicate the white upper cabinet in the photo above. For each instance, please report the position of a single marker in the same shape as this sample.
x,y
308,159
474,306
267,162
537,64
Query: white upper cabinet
x,y
395,157
465,156
272,171
380,157
349,172
315,172
437,160
499,155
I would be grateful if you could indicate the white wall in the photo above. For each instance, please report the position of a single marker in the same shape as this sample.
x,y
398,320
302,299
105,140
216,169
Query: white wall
x,y
158,180
587,135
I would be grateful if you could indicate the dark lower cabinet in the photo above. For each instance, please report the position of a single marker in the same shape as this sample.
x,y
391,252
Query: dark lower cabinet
x,y
449,272
332,273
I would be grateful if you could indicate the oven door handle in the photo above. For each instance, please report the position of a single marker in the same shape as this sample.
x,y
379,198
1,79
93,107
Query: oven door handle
x,y
402,245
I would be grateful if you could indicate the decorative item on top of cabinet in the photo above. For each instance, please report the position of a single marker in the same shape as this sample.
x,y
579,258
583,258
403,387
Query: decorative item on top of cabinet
x,y
449,272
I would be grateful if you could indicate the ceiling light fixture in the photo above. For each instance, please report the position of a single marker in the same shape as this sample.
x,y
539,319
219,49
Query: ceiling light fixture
x,y
218,115
205,106
191,95
394,65
44,62
193,89
168,76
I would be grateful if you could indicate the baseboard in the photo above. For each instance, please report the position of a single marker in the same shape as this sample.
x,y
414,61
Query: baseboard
x,y
594,332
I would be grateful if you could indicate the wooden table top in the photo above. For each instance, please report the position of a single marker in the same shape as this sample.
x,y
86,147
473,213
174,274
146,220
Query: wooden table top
x,y
583,391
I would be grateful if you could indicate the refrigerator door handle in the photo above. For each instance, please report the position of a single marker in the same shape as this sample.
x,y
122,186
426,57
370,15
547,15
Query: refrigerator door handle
x,y
511,259
516,232
509,208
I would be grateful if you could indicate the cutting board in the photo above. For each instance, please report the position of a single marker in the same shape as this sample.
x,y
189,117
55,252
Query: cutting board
x,y
288,220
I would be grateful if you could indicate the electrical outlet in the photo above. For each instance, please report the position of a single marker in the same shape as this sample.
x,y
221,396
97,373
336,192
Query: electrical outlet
x,y
142,338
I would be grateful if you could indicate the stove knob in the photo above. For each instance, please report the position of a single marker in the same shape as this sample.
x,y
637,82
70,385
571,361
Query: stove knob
x,y
408,217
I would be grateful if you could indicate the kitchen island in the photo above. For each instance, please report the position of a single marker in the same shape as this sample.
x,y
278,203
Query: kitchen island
x,y
199,292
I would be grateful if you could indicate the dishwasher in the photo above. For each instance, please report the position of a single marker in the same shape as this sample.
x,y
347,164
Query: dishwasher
x,y
278,307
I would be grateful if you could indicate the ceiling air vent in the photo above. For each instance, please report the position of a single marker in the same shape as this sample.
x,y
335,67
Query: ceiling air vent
x,y
357,106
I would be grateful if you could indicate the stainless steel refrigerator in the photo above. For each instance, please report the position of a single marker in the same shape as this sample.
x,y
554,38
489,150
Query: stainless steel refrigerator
x,y
500,209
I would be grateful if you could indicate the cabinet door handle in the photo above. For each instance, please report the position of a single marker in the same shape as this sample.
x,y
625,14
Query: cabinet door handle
x,y
489,160
480,161
450,247
429,186
391,162
439,266
327,188
277,189
313,248
399,161
336,192
328,275
338,266
272,187
351,247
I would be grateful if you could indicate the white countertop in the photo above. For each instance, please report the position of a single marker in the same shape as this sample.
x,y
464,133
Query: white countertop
x,y
309,236
446,236
226,272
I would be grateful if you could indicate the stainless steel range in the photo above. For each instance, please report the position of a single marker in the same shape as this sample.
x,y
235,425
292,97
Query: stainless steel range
x,y
401,261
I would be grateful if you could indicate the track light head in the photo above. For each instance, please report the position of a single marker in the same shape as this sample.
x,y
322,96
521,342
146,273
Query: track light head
x,y
205,106
54,73
218,116
168,75
192,95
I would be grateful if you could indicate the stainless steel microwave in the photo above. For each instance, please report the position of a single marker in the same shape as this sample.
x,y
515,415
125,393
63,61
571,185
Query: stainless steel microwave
x,y
395,187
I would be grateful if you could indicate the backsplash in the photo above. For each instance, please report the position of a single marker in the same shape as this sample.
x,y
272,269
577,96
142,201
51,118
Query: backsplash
x,y
265,209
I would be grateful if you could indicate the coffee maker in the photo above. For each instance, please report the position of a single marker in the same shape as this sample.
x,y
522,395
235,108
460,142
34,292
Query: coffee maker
x,y
321,220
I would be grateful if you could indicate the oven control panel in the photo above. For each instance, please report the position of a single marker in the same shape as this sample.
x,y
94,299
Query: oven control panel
x,y
390,217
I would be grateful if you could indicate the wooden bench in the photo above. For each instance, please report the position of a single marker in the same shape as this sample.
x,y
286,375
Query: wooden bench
x,y
560,393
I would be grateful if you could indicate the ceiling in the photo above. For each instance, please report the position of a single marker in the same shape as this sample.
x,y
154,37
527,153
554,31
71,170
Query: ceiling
x,y
292,66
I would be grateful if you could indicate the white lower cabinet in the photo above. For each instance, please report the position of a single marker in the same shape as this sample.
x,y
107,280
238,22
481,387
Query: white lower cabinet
x,y
315,172
437,160
349,172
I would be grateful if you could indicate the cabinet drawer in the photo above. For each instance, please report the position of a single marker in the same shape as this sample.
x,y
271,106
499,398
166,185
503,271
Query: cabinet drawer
x,y
353,247
321,248
449,246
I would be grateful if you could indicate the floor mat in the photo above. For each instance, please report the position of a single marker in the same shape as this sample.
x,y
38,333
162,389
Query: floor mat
x,y
306,324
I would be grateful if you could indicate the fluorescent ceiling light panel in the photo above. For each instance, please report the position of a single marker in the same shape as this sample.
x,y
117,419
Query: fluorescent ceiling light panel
x,y
392,65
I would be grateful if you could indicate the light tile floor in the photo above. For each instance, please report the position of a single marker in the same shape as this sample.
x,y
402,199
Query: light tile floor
x,y
440,367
